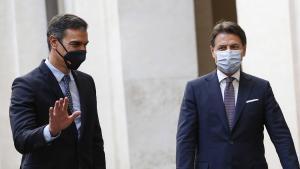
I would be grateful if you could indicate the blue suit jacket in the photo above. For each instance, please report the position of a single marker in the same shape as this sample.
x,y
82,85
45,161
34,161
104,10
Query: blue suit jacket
x,y
32,95
204,140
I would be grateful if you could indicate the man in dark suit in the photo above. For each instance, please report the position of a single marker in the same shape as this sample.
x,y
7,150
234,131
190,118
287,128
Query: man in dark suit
x,y
223,113
53,110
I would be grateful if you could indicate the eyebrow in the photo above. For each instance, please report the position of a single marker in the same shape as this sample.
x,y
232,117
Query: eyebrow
x,y
77,42
229,44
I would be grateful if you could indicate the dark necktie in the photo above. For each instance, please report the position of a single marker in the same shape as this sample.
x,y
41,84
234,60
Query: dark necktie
x,y
229,100
66,80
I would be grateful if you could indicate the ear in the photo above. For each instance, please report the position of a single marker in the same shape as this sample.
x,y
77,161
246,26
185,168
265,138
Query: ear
x,y
53,42
212,52
244,51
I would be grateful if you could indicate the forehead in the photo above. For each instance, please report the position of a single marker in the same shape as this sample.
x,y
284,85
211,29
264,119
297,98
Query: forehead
x,y
76,35
227,39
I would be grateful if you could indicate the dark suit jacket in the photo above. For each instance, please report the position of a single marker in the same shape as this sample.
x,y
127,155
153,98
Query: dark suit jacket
x,y
32,95
204,140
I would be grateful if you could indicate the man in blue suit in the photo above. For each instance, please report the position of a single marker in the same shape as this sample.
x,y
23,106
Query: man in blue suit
x,y
223,113
53,110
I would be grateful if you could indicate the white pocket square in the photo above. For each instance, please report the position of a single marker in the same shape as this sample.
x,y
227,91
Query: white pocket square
x,y
253,100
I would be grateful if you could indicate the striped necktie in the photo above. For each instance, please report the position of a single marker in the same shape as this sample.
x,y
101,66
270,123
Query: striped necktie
x,y
66,81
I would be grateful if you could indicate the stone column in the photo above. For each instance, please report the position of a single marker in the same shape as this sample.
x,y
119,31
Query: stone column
x,y
104,63
268,26
23,45
159,57
295,28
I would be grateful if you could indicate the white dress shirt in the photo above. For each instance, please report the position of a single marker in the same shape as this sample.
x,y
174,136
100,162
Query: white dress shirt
x,y
235,82
75,98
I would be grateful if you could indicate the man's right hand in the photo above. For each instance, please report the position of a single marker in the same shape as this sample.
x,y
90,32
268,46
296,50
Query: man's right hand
x,y
59,118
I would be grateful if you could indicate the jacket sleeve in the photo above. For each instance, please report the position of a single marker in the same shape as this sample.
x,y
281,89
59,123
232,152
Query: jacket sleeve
x,y
279,131
27,134
187,131
98,154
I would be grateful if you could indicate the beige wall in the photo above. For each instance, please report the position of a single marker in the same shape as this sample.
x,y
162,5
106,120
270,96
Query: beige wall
x,y
295,31
22,45
159,57
104,63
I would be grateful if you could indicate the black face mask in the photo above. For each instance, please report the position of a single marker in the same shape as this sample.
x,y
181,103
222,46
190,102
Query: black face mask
x,y
73,59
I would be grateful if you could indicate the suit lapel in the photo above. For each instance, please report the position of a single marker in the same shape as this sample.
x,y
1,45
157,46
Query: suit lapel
x,y
245,87
216,98
51,80
81,89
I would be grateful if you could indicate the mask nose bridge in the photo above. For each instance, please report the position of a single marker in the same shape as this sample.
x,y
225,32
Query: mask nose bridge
x,y
228,49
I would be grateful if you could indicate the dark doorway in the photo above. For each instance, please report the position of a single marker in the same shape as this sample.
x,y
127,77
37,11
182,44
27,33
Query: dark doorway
x,y
207,14
51,8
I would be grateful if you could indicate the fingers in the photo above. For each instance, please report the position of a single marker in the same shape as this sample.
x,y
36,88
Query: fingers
x,y
58,116
56,107
51,113
75,114
61,105
65,104
51,121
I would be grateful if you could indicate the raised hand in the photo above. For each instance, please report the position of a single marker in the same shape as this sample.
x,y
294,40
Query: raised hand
x,y
59,118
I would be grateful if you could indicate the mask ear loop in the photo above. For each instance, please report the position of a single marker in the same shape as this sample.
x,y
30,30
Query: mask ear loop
x,y
66,62
63,47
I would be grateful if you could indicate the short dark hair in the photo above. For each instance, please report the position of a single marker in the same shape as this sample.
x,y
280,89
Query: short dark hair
x,y
227,27
59,23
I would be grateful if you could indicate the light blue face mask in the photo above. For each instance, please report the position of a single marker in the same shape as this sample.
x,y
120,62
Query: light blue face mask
x,y
228,61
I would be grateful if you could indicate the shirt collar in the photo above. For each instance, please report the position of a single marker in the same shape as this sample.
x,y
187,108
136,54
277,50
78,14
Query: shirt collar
x,y
222,76
57,73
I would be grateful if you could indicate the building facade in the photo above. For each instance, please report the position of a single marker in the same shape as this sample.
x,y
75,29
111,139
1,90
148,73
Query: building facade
x,y
141,54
